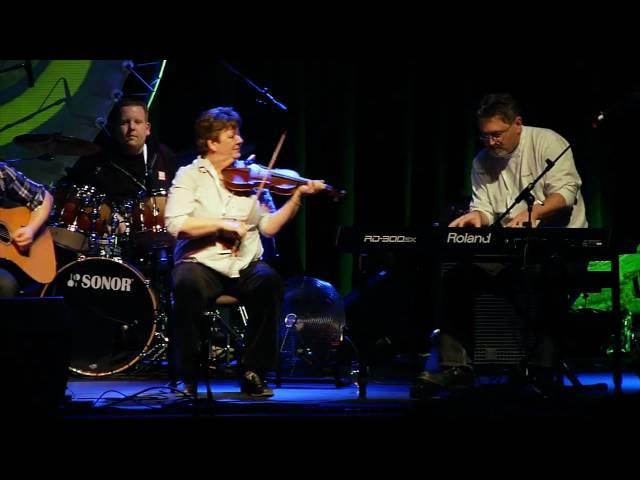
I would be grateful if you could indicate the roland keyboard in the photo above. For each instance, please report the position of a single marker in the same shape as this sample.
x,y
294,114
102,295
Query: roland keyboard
x,y
461,243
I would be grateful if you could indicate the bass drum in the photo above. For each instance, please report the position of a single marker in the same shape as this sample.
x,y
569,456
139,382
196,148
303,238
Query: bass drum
x,y
112,314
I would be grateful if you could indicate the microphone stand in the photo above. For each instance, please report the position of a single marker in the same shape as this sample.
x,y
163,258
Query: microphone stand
x,y
526,196
266,98
262,92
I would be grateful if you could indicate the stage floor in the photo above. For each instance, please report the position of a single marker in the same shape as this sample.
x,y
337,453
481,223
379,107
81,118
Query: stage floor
x,y
151,397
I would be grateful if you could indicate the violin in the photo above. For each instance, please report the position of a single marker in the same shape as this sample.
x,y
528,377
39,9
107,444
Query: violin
x,y
279,181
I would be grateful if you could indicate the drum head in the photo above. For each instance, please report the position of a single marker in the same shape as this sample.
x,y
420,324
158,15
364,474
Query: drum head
x,y
112,313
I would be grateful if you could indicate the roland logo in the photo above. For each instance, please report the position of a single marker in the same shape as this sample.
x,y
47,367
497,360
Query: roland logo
x,y
389,239
100,282
468,238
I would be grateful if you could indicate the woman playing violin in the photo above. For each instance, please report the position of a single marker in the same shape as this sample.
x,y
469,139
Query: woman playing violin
x,y
218,251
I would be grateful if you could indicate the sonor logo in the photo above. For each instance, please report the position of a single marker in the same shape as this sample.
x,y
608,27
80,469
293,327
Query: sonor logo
x,y
100,282
389,239
453,237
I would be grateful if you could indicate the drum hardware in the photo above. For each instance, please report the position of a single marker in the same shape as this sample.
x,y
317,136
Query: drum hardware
x,y
106,246
155,355
225,331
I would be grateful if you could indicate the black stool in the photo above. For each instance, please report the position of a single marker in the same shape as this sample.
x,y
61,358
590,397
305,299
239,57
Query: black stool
x,y
219,325
214,325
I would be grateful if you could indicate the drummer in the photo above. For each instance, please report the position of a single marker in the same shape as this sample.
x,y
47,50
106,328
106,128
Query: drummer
x,y
132,164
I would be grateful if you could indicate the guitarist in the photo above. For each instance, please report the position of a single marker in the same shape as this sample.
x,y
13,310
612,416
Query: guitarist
x,y
18,190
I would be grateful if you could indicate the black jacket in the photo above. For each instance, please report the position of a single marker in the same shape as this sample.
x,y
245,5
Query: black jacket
x,y
122,177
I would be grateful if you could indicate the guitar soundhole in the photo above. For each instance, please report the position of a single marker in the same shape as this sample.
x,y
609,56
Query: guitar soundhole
x,y
4,234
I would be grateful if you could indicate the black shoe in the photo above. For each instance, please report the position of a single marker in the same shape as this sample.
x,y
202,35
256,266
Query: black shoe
x,y
449,378
253,385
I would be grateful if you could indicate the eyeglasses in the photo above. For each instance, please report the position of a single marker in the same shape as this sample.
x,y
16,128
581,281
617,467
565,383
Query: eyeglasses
x,y
495,136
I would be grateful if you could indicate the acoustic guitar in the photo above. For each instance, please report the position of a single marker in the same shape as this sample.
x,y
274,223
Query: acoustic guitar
x,y
39,262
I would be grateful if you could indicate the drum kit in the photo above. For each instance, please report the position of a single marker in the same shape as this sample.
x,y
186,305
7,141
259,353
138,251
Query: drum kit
x,y
118,313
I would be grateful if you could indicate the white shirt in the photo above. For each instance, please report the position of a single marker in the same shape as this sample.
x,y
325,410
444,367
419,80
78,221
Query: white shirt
x,y
497,182
198,192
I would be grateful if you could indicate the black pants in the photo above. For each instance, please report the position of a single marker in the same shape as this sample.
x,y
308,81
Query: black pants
x,y
541,295
13,280
259,288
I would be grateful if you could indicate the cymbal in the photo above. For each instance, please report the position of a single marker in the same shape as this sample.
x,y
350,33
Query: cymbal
x,y
55,144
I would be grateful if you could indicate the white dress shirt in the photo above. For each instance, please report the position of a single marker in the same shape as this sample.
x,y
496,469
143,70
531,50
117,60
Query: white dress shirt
x,y
496,182
197,191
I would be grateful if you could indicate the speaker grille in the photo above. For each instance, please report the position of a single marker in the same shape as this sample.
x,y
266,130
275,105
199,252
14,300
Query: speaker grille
x,y
497,332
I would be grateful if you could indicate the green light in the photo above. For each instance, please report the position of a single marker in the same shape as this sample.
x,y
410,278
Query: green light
x,y
48,89
629,302
155,87
629,268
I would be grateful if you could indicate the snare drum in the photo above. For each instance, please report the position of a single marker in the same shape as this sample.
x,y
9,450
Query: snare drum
x,y
112,314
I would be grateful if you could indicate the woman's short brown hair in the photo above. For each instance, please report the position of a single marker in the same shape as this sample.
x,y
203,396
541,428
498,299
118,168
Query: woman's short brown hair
x,y
211,123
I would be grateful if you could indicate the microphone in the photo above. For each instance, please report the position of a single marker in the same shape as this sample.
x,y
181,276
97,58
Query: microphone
x,y
290,320
611,111
267,94
598,120
29,71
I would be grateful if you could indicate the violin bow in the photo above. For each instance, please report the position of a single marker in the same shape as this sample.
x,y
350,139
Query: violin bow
x,y
272,162
274,157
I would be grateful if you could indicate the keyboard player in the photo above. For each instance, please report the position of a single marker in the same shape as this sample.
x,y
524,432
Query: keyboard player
x,y
513,156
